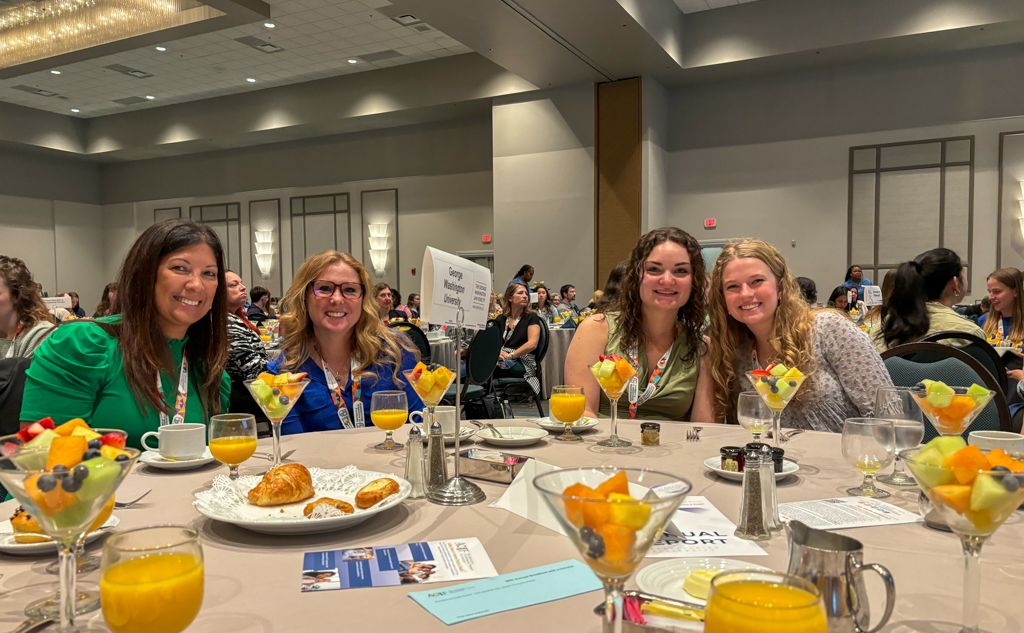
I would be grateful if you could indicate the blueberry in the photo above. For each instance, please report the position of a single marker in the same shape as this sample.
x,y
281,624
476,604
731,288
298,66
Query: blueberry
x,y
95,443
775,389
46,483
283,399
792,383
764,378
595,547
60,469
276,392
121,458
587,534
69,483
1011,484
92,453
80,472
1002,470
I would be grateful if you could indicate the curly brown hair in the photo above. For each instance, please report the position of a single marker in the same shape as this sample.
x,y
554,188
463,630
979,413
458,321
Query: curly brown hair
x,y
28,304
792,328
629,306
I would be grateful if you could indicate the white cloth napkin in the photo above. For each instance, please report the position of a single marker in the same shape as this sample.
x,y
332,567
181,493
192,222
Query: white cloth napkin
x,y
523,499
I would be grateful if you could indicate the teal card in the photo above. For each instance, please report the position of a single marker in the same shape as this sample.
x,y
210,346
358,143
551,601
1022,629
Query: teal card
x,y
480,598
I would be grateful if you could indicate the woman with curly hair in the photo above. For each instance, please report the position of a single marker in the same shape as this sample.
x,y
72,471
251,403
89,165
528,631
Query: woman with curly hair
x,y
336,334
655,323
759,317
24,319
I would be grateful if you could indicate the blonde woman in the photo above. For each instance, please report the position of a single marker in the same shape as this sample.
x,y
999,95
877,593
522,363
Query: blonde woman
x,y
758,317
334,332
1005,319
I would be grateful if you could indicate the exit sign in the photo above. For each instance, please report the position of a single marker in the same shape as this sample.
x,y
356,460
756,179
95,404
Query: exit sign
x,y
710,223
486,238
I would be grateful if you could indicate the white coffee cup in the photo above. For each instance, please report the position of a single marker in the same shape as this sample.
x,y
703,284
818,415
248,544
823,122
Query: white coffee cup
x,y
178,441
988,440
445,415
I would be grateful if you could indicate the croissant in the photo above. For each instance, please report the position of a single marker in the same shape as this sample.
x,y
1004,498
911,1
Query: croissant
x,y
286,483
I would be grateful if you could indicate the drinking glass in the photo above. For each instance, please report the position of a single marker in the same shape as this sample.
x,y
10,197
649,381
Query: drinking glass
x,y
868,445
746,601
276,400
152,579
753,414
232,439
388,411
567,405
614,385
898,405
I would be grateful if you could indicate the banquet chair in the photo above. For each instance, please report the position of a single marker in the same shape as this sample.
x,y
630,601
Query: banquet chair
x,y
980,349
481,360
518,386
911,363
416,335
12,387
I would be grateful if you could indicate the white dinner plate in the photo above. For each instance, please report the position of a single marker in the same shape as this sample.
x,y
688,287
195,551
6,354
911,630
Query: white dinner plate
x,y
9,546
512,435
227,501
789,467
155,460
666,578
583,424
464,434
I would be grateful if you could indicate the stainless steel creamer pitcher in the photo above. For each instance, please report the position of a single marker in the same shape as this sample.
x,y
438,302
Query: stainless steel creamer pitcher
x,y
834,563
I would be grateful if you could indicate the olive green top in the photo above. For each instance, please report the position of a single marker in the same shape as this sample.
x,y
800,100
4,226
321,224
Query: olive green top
x,y
674,396
78,372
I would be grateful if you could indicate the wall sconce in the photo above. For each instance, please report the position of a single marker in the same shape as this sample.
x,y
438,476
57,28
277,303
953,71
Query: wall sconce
x,y
264,251
378,246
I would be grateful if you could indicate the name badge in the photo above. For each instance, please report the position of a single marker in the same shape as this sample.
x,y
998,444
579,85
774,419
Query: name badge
x,y
634,388
346,423
357,408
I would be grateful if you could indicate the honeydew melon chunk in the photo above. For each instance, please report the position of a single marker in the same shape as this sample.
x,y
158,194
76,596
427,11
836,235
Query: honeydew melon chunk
x,y
946,444
607,369
42,441
793,373
785,389
595,369
977,391
928,468
989,494
778,370
939,394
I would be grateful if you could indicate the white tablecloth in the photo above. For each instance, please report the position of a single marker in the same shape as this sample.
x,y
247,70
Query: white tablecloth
x,y
443,351
553,365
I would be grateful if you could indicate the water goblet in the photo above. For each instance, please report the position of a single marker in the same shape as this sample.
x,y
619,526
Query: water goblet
x,y
898,405
753,414
868,445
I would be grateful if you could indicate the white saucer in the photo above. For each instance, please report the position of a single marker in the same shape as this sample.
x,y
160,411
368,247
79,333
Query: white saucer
x,y
512,435
583,424
464,434
789,467
154,460
665,578
9,546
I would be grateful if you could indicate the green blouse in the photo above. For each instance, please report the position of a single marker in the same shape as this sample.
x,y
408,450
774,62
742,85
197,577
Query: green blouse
x,y
78,372
674,397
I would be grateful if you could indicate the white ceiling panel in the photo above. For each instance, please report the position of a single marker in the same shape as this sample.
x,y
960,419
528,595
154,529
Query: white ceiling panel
x,y
694,6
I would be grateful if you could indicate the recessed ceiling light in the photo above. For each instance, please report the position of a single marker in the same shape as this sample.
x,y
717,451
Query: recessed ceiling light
x,y
251,80
406,19
269,25
75,110
161,49
353,61
54,72
150,97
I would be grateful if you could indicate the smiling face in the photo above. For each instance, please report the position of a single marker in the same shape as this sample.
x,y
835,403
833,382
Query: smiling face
x,y
1002,296
186,284
751,292
337,313
237,292
667,279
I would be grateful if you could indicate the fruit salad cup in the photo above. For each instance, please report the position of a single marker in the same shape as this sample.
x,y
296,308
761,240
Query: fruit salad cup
x,y
777,385
276,395
430,384
613,373
950,409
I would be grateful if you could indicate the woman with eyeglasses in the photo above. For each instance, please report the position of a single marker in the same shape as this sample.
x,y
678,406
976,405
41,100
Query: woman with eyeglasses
x,y
654,323
334,332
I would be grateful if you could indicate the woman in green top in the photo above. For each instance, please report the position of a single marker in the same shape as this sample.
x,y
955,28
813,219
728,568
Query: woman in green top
x,y
655,323
161,359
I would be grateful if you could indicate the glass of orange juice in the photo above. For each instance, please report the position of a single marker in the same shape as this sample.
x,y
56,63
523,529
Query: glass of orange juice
x,y
388,411
232,439
746,601
152,579
567,404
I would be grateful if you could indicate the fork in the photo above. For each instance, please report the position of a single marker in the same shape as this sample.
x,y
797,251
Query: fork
x,y
488,426
127,504
693,433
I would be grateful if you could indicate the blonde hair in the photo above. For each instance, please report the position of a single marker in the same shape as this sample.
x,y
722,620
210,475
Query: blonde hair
x,y
373,342
791,328
1012,279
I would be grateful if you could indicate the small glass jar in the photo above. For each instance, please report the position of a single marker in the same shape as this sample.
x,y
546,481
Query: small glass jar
x,y
756,446
778,454
650,433
732,458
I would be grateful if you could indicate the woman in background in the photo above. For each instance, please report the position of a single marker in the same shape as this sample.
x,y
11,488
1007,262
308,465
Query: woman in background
x,y
839,299
520,330
76,309
855,280
543,307
24,319
247,357
108,301
1005,317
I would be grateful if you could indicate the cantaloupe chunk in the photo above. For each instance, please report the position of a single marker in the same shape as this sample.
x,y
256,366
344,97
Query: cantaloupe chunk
x,y
69,426
618,546
49,503
574,507
67,451
999,457
955,496
105,513
616,483
966,462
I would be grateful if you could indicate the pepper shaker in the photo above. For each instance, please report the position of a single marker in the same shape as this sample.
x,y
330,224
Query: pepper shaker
x,y
435,467
414,469
753,525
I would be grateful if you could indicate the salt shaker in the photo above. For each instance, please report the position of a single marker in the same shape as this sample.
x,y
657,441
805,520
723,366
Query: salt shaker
x,y
768,492
435,467
753,525
414,470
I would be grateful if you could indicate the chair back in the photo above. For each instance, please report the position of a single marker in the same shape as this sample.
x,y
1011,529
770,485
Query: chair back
x,y
911,363
980,350
542,344
12,387
482,356
416,335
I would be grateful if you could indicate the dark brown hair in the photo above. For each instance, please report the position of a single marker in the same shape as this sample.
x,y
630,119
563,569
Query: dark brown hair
x,y
143,344
24,292
107,307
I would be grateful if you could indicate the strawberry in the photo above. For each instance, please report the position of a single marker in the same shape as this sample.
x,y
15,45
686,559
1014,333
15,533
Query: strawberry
x,y
47,423
23,435
35,429
761,372
299,376
113,439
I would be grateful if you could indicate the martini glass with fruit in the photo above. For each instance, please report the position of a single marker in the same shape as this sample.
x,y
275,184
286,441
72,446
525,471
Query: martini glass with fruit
x,y
973,492
431,384
67,486
950,409
612,516
276,396
613,373
776,384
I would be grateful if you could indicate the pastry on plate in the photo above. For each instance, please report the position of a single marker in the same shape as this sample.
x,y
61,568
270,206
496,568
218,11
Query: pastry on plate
x,y
26,528
376,491
325,507
287,483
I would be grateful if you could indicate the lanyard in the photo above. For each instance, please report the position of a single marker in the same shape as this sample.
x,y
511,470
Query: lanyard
x,y
635,397
510,328
339,401
10,350
181,399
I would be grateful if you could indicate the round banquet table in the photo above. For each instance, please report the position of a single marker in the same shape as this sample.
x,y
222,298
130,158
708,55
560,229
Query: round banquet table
x,y
252,580
442,351
553,365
